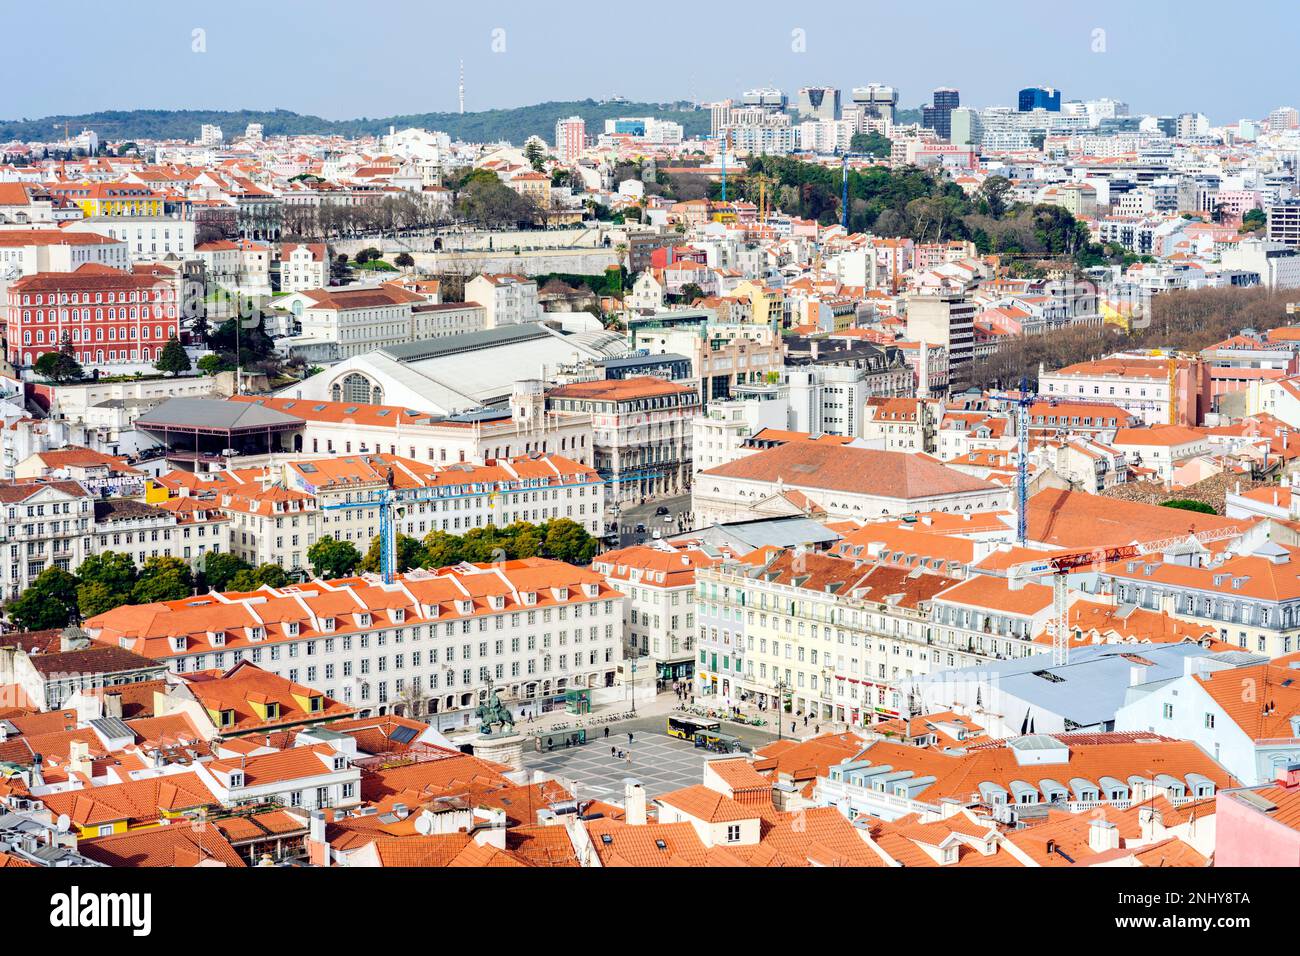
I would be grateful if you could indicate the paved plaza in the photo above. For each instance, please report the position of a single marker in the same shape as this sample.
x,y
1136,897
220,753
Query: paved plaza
x,y
660,762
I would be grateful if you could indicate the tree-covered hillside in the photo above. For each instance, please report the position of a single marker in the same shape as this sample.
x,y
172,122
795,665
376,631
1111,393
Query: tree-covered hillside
x,y
514,125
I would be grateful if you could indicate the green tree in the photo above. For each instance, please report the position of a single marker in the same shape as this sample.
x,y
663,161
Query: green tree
x,y
992,195
404,260
250,579
212,364
1255,220
113,569
174,358
361,257
220,568
106,582
162,579
410,554
1189,504
272,575
873,144
50,601
58,367
692,292
535,155
442,549
96,598
333,559
566,540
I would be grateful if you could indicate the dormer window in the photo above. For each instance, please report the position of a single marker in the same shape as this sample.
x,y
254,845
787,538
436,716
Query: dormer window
x,y
340,762
228,717
530,598
363,619
179,643
498,601
399,615
236,779
256,633
218,638
327,624
465,607
291,628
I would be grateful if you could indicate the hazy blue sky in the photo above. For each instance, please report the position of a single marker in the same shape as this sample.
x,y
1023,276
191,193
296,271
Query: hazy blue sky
x,y
381,57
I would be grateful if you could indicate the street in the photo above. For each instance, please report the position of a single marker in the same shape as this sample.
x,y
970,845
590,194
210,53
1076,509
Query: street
x,y
630,516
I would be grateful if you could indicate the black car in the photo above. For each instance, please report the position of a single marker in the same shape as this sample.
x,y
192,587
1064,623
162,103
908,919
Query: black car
x,y
640,528
661,510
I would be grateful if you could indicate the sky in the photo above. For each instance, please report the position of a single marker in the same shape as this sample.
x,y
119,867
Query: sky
x,y
373,58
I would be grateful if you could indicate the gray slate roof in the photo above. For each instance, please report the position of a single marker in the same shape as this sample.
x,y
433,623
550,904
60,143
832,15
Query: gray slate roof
x,y
214,413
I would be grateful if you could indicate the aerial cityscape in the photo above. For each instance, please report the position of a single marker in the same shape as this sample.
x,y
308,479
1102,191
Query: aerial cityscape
x,y
754,473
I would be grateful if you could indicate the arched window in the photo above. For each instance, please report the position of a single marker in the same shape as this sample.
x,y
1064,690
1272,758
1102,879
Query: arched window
x,y
359,390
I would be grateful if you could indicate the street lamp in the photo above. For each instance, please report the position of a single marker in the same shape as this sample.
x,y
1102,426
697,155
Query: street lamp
x,y
781,687
634,685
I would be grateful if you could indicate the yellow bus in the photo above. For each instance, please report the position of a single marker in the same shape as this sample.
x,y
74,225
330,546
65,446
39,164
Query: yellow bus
x,y
685,728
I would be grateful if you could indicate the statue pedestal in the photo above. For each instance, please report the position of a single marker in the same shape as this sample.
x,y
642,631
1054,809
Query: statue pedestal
x,y
507,749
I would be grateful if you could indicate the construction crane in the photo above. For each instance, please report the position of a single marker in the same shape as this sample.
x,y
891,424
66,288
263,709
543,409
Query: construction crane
x,y
1059,566
1023,402
392,502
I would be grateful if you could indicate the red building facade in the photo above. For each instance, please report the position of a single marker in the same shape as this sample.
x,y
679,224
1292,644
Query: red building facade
x,y
106,316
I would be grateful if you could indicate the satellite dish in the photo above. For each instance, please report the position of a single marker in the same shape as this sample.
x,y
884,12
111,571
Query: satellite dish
x,y
424,825
63,824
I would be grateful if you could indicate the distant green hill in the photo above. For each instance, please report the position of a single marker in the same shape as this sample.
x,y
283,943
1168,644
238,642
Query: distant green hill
x,y
514,125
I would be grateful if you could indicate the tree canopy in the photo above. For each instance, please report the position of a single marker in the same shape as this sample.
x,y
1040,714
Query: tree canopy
x,y
333,559
50,601
174,358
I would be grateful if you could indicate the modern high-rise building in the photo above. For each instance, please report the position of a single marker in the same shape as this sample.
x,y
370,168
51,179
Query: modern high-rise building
x,y
719,116
769,100
938,115
570,138
1284,117
876,101
966,127
1039,98
947,320
819,103
1284,222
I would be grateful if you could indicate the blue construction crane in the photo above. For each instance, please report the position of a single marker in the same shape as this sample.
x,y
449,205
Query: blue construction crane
x,y
1022,402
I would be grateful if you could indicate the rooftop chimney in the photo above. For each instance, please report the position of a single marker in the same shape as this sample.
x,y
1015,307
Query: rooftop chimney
x,y
634,802
1102,836
318,848
1288,775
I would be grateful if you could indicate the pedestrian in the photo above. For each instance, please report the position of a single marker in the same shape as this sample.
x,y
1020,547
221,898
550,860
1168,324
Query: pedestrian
x,y
607,730
613,751
817,728
792,726
629,736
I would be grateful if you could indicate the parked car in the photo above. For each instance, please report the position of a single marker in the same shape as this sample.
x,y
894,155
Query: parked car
x,y
661,510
